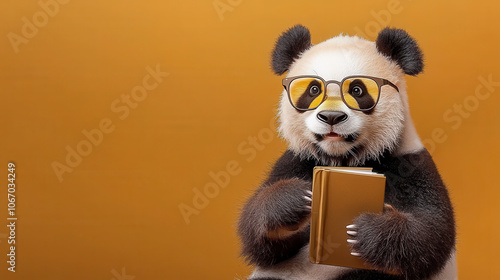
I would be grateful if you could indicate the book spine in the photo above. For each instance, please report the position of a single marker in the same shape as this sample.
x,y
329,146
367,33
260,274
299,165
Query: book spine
x,y
321,216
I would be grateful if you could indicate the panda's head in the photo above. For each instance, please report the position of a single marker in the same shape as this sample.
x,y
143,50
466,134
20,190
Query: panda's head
x,y
345,99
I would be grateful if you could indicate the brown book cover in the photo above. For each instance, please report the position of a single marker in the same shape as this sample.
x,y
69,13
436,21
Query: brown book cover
x,y
340,194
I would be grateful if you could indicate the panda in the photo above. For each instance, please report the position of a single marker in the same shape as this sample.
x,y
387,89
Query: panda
x,y
344,103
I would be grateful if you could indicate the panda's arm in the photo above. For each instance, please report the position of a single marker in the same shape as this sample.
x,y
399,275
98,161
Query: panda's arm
x,y
274,223
415,236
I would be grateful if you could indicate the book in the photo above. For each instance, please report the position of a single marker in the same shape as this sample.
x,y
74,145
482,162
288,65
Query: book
x,y
340,194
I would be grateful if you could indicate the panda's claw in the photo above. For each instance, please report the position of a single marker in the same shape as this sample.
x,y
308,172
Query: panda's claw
x,y
352,232
355,254
308,199
353,226
388,207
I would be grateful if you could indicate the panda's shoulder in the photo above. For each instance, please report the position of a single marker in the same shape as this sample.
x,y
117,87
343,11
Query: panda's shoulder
x,y
291,165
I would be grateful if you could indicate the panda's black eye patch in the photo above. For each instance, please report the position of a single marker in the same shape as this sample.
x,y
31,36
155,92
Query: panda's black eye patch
x,y
357,88
314,88
364,96
309,95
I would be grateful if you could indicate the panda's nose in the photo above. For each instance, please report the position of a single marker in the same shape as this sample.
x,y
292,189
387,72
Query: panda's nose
x,y
332,117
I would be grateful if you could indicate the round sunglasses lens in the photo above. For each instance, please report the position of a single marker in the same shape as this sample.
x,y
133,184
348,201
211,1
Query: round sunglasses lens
x,y
360,93
306,93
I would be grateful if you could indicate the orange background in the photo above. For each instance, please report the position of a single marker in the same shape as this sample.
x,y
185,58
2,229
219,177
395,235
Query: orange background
x,y
117,213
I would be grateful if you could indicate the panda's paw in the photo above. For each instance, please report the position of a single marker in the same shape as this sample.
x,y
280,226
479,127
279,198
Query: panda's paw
x,y
288,210
375,238
364,237
366,220
295,203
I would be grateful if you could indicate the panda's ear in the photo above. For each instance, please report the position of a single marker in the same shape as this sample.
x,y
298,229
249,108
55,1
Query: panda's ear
x,y
288,47
403,49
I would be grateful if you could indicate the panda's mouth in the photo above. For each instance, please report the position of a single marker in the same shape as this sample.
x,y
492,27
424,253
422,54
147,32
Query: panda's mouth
x,y
334,137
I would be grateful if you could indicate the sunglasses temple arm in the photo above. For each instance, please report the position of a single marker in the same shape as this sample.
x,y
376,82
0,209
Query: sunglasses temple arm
x,y
386,82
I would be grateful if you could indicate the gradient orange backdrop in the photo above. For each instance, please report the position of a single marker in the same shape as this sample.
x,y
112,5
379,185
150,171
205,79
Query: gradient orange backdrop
x,y
70,68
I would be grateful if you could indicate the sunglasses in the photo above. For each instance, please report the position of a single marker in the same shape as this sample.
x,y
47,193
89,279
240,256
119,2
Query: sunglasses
x,y
359,93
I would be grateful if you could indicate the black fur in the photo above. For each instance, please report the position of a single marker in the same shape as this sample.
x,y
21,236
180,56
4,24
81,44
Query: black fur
x,y
288,47
277,203
400,47
421,226
291,166
367,275
348,158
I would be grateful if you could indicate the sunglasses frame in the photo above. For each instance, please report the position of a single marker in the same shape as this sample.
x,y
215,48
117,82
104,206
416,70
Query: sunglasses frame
x,y
379,81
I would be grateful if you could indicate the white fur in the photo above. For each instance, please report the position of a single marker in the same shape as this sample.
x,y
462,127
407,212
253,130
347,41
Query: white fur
x,y
345,128
389,127
449,272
